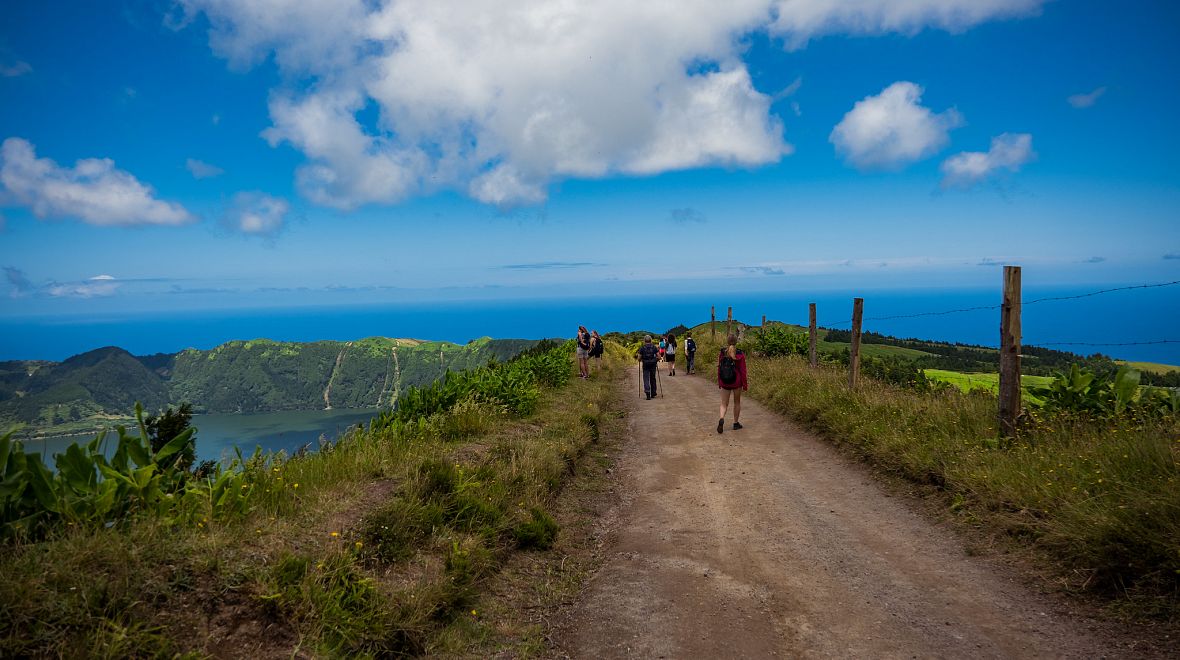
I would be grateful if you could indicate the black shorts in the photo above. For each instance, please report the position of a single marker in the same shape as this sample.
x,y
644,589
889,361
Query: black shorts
x,y
670,357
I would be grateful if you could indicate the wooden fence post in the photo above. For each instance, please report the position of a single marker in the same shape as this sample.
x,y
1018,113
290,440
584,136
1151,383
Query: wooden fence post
x,y
1010,352
858,308
713,321
728,323
763,323
811,336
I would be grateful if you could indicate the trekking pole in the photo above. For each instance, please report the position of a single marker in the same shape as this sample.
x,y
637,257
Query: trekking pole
x,y
659,381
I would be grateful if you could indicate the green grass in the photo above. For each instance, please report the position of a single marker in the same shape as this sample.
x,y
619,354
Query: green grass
x,y
382,546
967,382
1153,367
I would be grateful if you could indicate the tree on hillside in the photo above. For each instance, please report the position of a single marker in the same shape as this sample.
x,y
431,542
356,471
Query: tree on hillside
x,y
167,425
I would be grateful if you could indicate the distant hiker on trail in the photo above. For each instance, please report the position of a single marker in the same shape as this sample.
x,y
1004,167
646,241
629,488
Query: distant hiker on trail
x,y
583,352
663,346
596,349
670,354
649,357
731,377
690,353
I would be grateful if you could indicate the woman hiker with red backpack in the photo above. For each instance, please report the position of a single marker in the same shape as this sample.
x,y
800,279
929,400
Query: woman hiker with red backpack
x,y
731,377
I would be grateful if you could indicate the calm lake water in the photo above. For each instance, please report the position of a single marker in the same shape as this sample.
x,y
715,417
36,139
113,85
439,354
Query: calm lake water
x,y
217,435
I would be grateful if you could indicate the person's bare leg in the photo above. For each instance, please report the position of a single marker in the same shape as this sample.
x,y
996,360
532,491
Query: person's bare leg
x,y
724,405
737,407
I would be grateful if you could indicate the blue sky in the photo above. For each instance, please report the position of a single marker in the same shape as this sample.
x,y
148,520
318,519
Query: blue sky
x,y
276,153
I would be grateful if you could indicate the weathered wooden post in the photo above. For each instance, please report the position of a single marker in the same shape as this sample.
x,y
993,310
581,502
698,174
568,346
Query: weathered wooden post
x,y
858,308
713,321
728,323
763,323
811,336
1010,352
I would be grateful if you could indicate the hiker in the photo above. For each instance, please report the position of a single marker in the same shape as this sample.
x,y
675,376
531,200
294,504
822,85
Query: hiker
x,y
649,357
731,378
670,354
583,352
596,349
690,353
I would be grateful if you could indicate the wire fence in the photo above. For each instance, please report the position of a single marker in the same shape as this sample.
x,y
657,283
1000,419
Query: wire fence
x,y
1035,301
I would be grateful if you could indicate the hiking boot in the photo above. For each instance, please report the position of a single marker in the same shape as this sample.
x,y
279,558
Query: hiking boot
x,y
721,425
737,425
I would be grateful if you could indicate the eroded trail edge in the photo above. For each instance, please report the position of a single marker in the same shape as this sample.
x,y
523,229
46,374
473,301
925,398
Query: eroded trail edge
x,y
767,542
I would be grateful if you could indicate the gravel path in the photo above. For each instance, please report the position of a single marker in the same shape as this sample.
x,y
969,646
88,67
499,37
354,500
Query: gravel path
x,y
766,542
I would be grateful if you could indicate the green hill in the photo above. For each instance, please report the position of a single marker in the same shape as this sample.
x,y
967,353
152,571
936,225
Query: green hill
x,y
91,389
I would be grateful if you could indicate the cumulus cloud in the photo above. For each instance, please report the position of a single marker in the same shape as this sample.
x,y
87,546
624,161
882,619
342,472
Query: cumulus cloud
x,y
499,101
93,191
257,213
15,69
1008,151
801,20
202,170
1086,100
892,129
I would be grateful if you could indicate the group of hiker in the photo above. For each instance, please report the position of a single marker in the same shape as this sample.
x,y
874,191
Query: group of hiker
x,y
589,345
731,370
731,366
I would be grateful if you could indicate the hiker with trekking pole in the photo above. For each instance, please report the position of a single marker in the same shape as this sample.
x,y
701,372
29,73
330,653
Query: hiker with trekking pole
x,y
649,359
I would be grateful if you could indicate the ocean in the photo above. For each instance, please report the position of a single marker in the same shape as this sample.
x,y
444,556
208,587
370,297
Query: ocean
x,y
1118,317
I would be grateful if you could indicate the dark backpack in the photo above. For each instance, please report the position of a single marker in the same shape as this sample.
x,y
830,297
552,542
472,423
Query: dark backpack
x,y
690,346
727,369
596,348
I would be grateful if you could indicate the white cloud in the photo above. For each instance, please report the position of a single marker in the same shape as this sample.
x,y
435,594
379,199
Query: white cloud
x,y
501,99
1008,151
801,20
202,170
93,191
15,69
100,286
257,213
1086,100
892,129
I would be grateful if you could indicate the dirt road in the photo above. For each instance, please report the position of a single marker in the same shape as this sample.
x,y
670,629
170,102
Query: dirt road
x,y
766,542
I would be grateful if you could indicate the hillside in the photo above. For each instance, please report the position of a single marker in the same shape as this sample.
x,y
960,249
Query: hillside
x,y
261,375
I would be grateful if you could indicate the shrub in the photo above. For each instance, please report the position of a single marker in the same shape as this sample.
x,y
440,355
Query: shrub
x,y
539,532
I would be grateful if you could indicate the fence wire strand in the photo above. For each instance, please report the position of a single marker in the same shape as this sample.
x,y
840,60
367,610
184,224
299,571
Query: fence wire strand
x,y
1022,304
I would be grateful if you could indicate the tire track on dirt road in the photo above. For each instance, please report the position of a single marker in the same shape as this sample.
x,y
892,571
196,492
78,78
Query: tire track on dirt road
x,y
766,542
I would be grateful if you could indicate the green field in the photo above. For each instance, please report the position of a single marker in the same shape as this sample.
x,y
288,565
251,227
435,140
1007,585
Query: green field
x,y
987,382
1153,367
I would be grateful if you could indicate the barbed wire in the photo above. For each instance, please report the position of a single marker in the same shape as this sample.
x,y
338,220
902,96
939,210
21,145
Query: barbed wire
x,y
993,307
1086,343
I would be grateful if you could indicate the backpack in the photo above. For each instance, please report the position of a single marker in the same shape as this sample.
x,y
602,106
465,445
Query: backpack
x,y
690,346
727,369
596,350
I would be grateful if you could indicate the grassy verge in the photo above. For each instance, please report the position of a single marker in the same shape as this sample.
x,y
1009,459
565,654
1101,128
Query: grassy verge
x,y
384,545
1100,503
